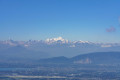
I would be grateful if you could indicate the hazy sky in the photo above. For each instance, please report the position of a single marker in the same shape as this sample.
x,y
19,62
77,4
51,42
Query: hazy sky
x,y
91,20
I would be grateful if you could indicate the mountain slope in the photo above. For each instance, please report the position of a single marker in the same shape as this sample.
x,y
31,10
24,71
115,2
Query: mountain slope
x,y
91,58
98,58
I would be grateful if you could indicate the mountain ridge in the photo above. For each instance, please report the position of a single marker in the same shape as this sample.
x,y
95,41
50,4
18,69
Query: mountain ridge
x,y
90,58
55,47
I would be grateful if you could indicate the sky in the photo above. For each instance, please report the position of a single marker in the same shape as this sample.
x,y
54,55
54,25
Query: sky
x,y
87,20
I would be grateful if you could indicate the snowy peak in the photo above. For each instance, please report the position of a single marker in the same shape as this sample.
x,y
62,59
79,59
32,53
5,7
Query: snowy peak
x,y
61,40
56,40
81,41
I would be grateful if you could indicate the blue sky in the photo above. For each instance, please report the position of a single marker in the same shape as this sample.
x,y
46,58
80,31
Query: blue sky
x,y
86,20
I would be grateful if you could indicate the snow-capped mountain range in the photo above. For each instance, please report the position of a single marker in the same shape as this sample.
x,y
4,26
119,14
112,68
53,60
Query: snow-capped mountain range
x,y
51,41
53,47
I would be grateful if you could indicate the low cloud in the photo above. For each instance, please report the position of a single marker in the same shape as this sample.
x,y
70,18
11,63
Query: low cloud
x,y
111,29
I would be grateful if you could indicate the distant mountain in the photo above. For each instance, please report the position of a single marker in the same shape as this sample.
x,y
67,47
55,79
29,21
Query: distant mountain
x,y
52,47
98,58
91,58
18,53
56,40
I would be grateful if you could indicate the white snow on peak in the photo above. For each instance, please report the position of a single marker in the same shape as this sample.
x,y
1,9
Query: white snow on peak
x,y
59,39
81,41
